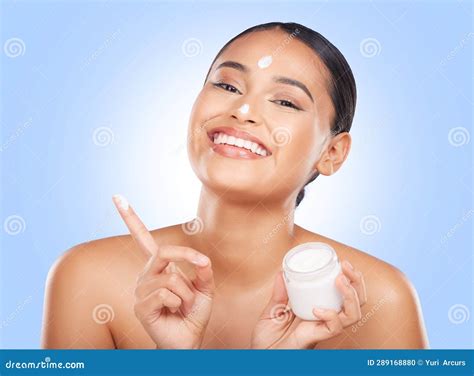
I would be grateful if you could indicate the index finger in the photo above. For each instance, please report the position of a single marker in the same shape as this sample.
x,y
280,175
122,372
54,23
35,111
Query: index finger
x,y
136,227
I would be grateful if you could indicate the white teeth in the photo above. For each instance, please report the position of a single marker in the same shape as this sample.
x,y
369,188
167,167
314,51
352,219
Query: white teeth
x,y
222,138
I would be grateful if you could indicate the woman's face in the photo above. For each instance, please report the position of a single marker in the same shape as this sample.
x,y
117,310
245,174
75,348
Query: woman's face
x,y
262,120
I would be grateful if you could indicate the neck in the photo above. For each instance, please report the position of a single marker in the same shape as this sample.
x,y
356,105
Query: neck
x,y
246,242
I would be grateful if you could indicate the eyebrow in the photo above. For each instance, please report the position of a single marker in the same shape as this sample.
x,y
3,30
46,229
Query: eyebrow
x,y
290,81
234,65
277,79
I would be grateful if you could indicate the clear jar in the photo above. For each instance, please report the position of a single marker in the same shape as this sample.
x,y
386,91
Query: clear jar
x,y
310,271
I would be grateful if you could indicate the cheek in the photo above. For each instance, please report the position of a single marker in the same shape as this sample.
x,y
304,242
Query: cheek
x,y
296,138
203,110
296,158
208,104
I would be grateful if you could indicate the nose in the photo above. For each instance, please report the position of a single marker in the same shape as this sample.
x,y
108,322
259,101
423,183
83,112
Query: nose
x,y
245,112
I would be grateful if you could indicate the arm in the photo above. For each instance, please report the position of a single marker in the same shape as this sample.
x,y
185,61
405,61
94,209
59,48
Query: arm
x,y
72,293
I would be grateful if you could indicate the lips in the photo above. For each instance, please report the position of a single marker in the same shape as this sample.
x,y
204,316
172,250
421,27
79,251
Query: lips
x,y
238,134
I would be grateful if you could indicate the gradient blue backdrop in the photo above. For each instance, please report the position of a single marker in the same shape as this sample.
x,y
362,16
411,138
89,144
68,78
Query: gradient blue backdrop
x,y
129,67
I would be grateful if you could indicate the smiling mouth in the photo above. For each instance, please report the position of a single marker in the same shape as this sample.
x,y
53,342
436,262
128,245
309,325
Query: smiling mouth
x,y
234,143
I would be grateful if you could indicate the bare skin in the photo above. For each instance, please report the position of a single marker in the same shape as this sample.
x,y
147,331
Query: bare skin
x,y
105,272
156,294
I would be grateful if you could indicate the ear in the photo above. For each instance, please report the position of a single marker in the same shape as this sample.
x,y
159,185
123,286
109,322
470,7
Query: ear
x,y
335,154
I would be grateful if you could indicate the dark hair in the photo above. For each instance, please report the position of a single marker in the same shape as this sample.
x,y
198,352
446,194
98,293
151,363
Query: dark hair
x,y
342,83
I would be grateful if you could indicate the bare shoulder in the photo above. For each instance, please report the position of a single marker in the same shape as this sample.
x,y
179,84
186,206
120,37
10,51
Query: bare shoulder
x,y
90,282
100,253
392,316
368,264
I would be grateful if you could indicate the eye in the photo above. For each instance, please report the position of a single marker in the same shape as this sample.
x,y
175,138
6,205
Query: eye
x,y
286,103
227,87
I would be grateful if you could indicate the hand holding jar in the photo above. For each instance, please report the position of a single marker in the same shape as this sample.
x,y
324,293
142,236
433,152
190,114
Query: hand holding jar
x,y
324,298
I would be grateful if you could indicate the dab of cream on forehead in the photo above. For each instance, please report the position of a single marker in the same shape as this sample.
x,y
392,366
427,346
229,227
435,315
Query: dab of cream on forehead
x,y
244,108
265,62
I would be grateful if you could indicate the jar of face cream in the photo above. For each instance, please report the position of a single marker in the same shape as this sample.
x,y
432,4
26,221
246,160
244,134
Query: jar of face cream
x,y
310,271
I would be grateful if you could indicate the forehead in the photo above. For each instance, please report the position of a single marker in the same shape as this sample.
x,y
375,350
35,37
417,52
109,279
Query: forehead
x,y
290,57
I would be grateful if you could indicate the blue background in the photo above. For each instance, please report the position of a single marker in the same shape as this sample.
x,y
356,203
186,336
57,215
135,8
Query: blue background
x,y
124,66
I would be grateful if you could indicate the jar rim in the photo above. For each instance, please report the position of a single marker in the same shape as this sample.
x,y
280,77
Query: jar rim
x,y
309,245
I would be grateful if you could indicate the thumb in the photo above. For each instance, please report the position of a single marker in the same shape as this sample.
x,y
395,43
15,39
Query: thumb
x,y
204,281
278,300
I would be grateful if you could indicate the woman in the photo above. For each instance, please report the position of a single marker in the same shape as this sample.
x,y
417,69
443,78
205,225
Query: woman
x,y
274,113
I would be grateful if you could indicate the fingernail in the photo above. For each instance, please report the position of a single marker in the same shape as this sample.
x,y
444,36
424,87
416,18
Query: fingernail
x,y
121,201
349,265
201,260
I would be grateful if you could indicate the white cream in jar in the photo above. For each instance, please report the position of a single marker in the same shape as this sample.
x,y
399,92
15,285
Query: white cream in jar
x,y
310,272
